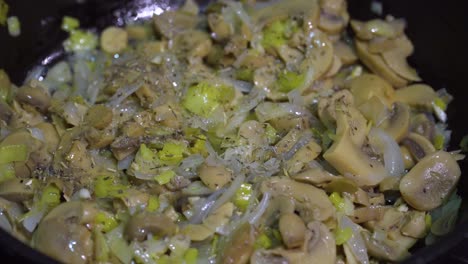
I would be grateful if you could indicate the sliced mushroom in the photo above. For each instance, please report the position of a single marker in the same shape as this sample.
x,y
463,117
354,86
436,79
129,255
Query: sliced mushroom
x,y
430,181
292,230
240,246
254,132
16,190
369,213
218,25
194,43
315,176
416,225
381,44
302,157
311,202
346,54
114,40
418,146
332,24
423,125
348,158
375,110
319,247
78,156
407,157
124,146
98,116
215,177
377,64
365,86
387,249
172,23
35,97
197,232
397,124
417,95
144,223
319,57
309,11
62,233
335,67
219,217
396,59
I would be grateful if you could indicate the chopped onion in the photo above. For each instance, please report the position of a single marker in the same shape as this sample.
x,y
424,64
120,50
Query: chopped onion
x,y
302,141
37,133
229,192
5,223
355,242
257,213
267,110
122,94
125,163
188,166
203,207
391,151
32,219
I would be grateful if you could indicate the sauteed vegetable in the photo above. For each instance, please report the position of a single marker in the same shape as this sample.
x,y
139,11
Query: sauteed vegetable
x,y
251,132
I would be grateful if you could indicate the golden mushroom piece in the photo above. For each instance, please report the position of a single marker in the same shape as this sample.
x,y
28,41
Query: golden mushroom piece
x,y
114,40
318,247
430,181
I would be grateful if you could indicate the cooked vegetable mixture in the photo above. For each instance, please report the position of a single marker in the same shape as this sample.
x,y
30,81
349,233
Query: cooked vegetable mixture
x,y
246,133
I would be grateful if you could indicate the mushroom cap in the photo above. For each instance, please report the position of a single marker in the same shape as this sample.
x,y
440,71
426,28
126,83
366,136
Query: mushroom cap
x,y
430,181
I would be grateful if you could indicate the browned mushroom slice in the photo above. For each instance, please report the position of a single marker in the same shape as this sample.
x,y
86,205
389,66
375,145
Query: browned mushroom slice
x,y
396,59
220,28
430,181
16,190
378,65
335,67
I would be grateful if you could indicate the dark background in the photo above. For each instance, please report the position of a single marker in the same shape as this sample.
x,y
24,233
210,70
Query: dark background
x,y
438,29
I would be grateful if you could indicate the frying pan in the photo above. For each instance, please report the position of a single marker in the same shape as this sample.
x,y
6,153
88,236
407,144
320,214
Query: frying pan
x,y
438,29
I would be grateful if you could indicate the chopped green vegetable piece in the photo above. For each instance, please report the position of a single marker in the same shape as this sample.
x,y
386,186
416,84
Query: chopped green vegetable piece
x,y
172,153
288,81
343,235
104,187
153,204
13,153
337,201
106,221
440,103
191,256
202,99
263,242
14,26
165,177
3,12
7,172
199,146
271,134
439,141
242,196
80,40
146,153
101,249
428,221
50,197
245,74
464,144
214,244
276,34
70,23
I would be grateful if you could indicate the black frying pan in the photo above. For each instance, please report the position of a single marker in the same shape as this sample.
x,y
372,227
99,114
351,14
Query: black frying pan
x,y
438,29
